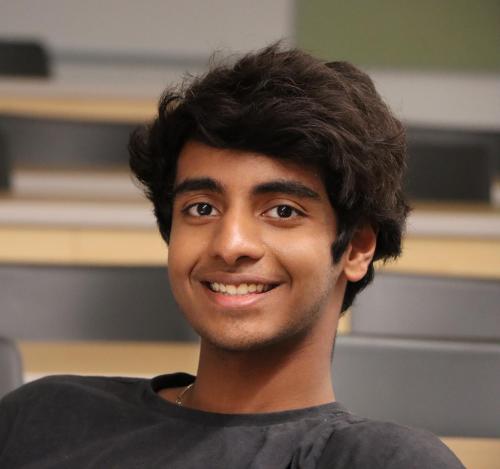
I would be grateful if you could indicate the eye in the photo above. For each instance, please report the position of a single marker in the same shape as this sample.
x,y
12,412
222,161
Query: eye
x,y
201,209
283,211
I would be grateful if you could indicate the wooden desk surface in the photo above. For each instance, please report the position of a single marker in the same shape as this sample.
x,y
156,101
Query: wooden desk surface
x,y
458,257
81,108
108,358
475,453
149,359
105,220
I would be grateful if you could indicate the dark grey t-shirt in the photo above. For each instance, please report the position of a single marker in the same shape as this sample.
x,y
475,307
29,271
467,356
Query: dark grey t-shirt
x,y
94,422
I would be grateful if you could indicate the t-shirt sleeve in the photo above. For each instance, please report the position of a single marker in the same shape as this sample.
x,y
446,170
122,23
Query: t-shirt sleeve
x,y
8,411
22,413
383,445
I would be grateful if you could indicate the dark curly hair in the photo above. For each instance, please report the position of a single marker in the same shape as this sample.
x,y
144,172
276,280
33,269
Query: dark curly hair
x,y
288,104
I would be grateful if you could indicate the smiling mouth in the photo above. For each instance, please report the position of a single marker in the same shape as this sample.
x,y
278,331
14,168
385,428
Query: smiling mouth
x,y
240,289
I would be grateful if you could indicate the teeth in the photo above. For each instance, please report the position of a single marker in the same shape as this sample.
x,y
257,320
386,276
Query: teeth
x,y
241,289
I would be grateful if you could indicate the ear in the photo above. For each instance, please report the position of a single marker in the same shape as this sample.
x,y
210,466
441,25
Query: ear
x,y
359,253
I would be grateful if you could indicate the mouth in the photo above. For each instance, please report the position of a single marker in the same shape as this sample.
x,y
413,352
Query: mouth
x,y
241,289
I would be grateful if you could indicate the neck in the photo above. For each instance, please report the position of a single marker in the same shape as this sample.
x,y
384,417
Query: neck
x,y
291,375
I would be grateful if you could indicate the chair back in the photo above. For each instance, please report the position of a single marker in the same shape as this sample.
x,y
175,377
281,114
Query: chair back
x,y
449,388
440,162
4,165
429,307
11,371
125,303
23,58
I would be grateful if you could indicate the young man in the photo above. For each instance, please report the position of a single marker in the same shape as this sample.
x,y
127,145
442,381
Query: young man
x,y
276,183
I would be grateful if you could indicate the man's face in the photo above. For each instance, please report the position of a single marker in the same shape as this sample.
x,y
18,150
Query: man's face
x,y
250,260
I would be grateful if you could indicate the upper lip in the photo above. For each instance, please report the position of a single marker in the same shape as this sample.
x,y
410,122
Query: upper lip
x,y
237,279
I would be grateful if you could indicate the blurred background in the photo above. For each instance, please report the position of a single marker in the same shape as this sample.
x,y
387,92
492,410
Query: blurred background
x,y
83,285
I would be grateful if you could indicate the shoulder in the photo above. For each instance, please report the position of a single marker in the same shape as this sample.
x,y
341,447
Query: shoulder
x,y
55,402
364,443
68,383
67,390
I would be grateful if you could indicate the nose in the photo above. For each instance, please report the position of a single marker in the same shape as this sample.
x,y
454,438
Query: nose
x,y
237,238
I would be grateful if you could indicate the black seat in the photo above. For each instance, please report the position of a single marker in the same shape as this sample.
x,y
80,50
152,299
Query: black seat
x,y
23,58
450,165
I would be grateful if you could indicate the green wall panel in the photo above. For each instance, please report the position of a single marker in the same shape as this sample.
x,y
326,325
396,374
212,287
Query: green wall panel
x,y
426,34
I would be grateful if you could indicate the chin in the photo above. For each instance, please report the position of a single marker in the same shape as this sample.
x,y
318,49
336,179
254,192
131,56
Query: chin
x,y
238,345
251,342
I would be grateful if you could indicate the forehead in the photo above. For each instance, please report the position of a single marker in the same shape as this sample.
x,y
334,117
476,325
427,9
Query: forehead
x,y
241,169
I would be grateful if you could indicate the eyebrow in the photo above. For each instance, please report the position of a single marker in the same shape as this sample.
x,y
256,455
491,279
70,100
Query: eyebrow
x,y
197,184
279,186
286,187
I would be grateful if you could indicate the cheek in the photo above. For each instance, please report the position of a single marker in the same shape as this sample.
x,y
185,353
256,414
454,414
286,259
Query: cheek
x,y
175,276
187,248
183,245
180,257
307,259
